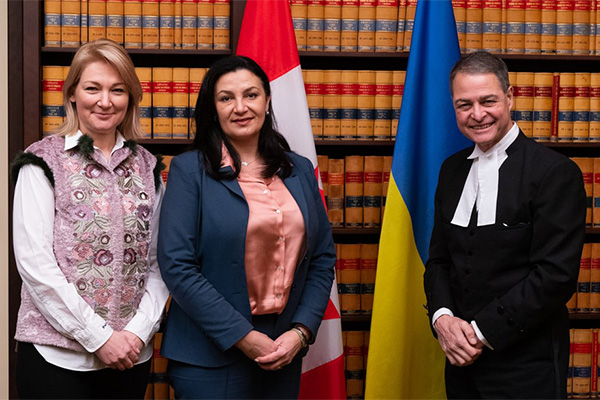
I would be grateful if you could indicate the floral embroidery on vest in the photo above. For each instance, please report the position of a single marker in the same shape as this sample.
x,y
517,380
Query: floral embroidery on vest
x,y
101,233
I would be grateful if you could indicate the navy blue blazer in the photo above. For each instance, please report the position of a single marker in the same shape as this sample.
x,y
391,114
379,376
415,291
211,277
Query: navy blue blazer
x,y
201,247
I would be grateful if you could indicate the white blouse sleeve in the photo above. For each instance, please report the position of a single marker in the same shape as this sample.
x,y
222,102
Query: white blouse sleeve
x,y
146,321
55,298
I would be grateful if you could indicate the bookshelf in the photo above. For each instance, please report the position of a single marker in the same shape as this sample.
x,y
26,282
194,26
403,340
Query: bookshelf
x,y
28,54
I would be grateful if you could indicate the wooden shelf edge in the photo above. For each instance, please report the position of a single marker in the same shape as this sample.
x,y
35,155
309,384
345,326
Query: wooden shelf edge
x,y
356,231
584,315
145,51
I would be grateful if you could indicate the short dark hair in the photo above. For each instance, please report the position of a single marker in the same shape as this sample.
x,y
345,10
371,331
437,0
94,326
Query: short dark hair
x,y
210,137
481,62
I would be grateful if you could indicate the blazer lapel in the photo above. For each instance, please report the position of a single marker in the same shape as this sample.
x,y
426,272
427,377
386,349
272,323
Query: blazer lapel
x,y
293,184
232,184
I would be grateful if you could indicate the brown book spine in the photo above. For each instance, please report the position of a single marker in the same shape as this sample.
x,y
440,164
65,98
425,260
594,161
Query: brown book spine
x,y
313,85
366,25
582,362
460,16
150,24
582,10
473,39
314,27
52,16
354,199
581,107
332,103
492,26
354,365
523,92
594,133
595,279
70,29
542,106
196,76
386,25
594,369
533,26
335,198
189,24
165,172
221,24
398,78
299,10
348,103
515,20
401,25
382,125
349,28
596,195
411,8
162,103
204,38
584,279
564,27
366,104
114,21
132,30
166,14
52,98
373,181
368,269
548,35
350,279
566,105
145,76
181,98
332,17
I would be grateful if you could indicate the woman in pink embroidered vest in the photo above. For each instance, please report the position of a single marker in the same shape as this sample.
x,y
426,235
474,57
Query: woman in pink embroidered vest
x,y
85,227
246,248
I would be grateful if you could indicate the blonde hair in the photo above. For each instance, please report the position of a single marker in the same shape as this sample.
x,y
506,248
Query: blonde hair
x,y
108,51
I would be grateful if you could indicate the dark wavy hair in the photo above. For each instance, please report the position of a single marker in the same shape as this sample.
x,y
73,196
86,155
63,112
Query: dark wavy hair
x,y
209,139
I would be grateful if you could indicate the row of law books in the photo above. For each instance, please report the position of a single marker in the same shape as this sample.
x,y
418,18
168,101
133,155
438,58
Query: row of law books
x,y
356,268
356,350
350,104
557,107
355,189
587,297
583,379
138,24
166,109
590,168
501,26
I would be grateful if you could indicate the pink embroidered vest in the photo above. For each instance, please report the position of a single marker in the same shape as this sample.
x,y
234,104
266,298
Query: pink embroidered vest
x,y
101,233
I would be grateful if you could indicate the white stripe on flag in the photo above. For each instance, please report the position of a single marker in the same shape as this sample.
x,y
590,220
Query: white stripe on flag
x,y
327,347
291,113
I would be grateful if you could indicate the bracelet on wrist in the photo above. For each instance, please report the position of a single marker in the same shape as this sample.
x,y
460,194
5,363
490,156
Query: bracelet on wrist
x,y
302,336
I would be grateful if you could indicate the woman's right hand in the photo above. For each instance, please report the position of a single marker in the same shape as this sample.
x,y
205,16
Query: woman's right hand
x,y
118,352
256,344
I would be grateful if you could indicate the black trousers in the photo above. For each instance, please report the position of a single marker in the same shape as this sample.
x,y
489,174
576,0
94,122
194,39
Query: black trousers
x,y
38,379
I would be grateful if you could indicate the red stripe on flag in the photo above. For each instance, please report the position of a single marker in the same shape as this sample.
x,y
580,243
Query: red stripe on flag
x,y
323,382
331,312
269,39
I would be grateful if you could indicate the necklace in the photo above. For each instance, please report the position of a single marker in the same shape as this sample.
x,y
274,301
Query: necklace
x,y
246,163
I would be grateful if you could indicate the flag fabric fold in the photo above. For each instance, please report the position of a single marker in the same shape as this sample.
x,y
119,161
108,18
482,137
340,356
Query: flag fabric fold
x,y
267,36
405,361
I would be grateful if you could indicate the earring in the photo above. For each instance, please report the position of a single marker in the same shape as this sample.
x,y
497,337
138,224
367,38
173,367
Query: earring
x,y
268,113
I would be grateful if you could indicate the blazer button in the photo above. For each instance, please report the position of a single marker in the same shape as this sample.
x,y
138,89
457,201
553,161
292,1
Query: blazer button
x,y
500,310
510,322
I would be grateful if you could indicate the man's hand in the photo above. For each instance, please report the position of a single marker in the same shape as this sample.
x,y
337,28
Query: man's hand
x,y
288,345
117,352
458,340
256,344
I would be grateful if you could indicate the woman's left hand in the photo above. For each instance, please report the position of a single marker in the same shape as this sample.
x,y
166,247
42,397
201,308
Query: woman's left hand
x,y
288,345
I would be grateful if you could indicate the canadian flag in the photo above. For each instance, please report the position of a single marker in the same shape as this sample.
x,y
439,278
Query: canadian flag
x,y
267,36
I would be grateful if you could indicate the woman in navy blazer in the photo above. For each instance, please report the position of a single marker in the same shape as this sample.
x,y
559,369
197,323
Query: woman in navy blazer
x,y
216,347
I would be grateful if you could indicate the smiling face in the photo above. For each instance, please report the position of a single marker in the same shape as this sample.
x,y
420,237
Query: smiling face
x,y
241,104
101,99
482,108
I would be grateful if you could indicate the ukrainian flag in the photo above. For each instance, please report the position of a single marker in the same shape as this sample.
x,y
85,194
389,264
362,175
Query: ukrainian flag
x,y
405,360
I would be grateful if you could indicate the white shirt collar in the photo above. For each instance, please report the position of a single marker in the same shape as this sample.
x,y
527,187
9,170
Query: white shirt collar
x,y
72,140
481,185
